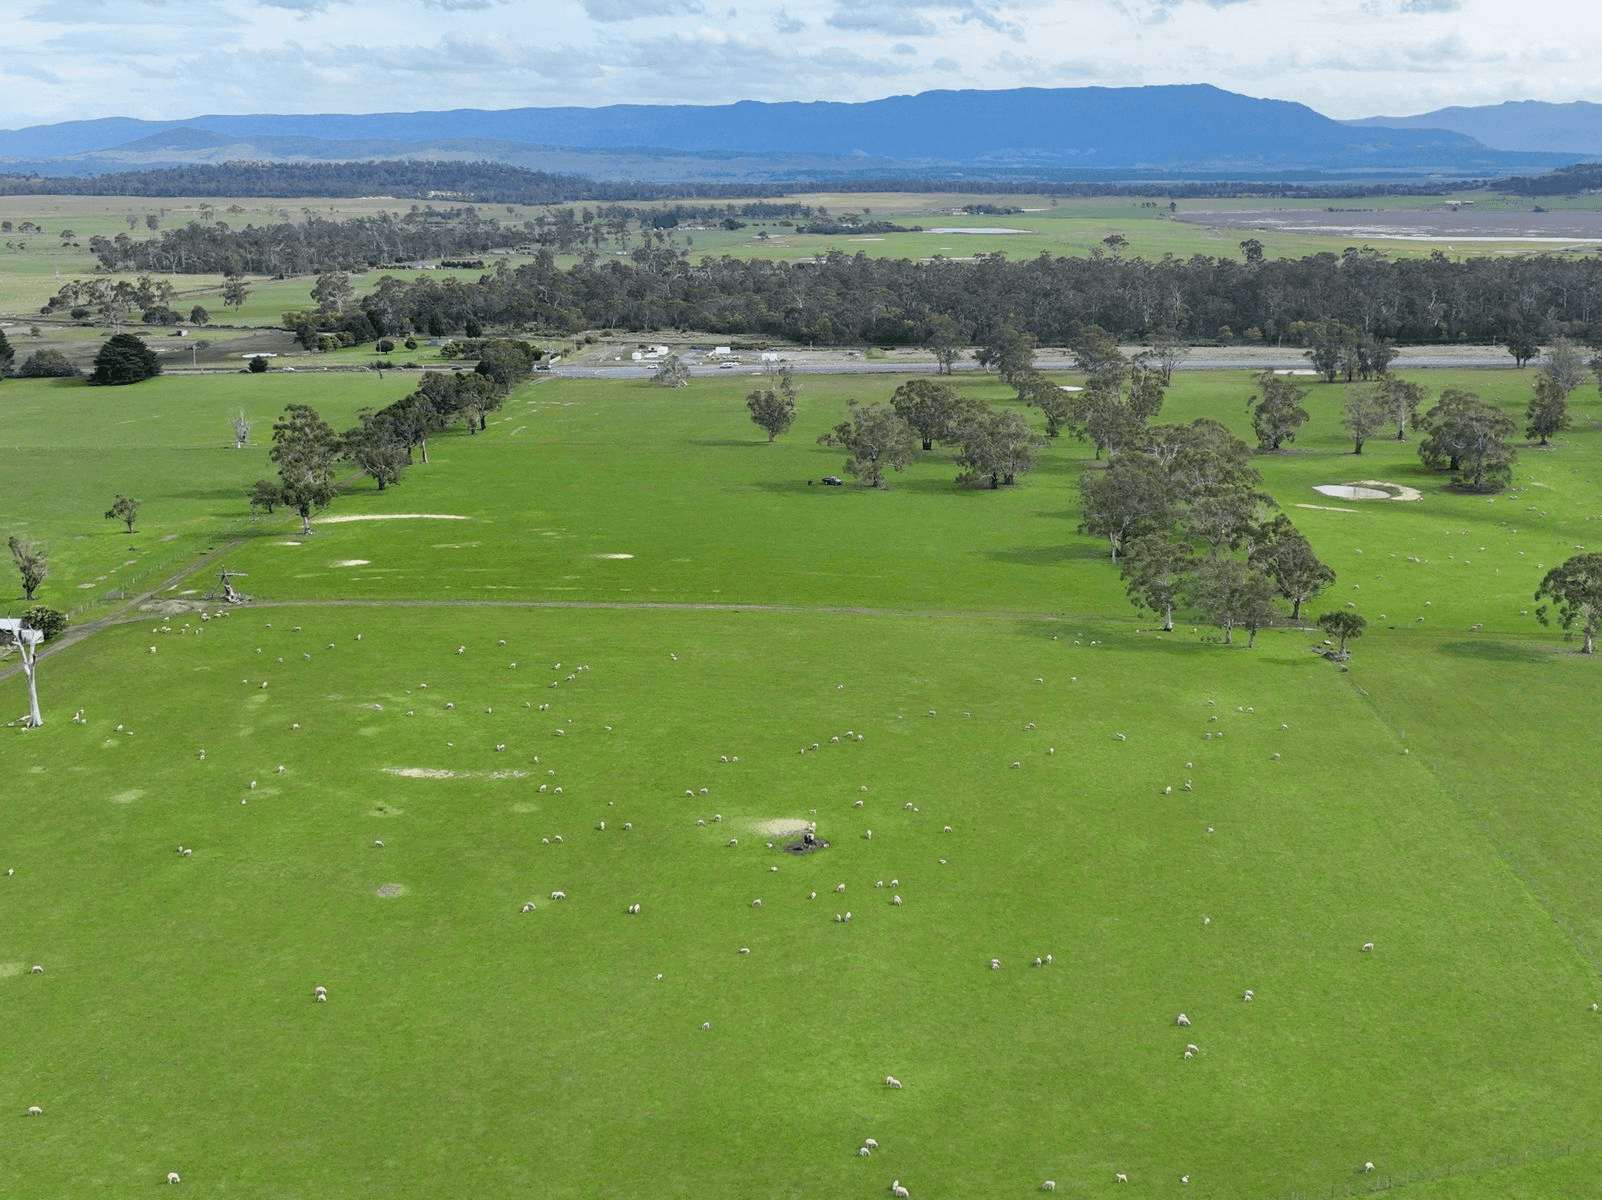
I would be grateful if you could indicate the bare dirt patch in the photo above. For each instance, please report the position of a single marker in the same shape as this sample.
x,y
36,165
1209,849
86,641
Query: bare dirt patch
x,y
390,890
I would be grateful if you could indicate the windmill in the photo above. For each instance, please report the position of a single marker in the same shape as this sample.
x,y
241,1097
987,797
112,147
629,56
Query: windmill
x,y
224,590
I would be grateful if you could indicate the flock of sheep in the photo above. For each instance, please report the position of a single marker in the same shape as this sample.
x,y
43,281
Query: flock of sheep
x,y
560,726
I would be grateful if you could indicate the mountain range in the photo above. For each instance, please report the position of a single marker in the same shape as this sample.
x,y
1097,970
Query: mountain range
x,y
1178,131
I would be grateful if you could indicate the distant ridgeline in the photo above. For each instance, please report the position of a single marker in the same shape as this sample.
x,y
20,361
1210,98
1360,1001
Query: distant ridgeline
x,y
1564,181
474,182
497,183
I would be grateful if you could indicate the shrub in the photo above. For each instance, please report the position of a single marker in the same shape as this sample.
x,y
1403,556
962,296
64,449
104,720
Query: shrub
x,y
258,365
48,364
45,619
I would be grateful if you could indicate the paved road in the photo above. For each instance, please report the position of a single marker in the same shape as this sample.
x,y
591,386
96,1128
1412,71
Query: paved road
x,y
1290,361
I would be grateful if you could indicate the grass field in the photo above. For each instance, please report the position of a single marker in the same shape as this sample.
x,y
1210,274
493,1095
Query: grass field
x,y
940,657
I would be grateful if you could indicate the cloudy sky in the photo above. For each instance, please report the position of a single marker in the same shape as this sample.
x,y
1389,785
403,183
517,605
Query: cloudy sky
x,y
172,59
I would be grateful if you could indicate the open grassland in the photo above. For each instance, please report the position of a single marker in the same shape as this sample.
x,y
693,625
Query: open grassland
x,y
941,657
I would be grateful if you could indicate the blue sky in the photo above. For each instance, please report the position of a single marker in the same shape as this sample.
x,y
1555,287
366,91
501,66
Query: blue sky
x,y
171,59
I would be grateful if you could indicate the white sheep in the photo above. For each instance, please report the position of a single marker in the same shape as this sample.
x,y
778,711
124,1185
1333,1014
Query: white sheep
x,y
1120,1177
529,907
1049,1186
895,900
839,887
995,964
172,1177
756,904
35,1111
891,1081
898,1191
1182,1019
863,1151
36,969
745,949
558,895
870,1143
1367,946
1367,1167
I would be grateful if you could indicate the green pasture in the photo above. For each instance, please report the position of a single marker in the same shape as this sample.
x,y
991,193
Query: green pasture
x,y
452,666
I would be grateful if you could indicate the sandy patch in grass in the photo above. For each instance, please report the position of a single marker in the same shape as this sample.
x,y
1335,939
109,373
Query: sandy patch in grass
x,y
390,890
7,970
782,827
128,797
340,520
352,562
1398,491
523,806
1326,508
289,543
438,773
614,556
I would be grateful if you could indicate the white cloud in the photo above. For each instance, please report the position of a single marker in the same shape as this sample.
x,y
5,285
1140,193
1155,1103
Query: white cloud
x,y
172,58
633,10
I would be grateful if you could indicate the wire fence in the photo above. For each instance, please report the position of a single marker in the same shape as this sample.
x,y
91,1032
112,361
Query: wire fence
x,y
1366,1183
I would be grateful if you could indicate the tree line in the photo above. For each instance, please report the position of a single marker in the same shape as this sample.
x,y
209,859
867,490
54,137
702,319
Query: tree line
x,y
1351,306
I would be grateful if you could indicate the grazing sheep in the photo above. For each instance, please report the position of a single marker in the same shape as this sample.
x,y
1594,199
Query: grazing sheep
x,y
36,969
1190,1053
745,949
891,1081
814,896
898,1191
756,904
627,825
1016,765
839,887
995,964
734,841
947,829
870,1144
377,842
895,900
322,997
863,1151
186,852
1182,1019
1049,1186
1367,946
634,910
529,907
1120,1177
172,1177
1120,737
558,895
868,835
1367,1167
706,1024
858,804
556,838
1247,998
35,1111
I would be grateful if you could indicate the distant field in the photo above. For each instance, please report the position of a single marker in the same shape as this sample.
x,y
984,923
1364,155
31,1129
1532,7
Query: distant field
x,y
33,267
